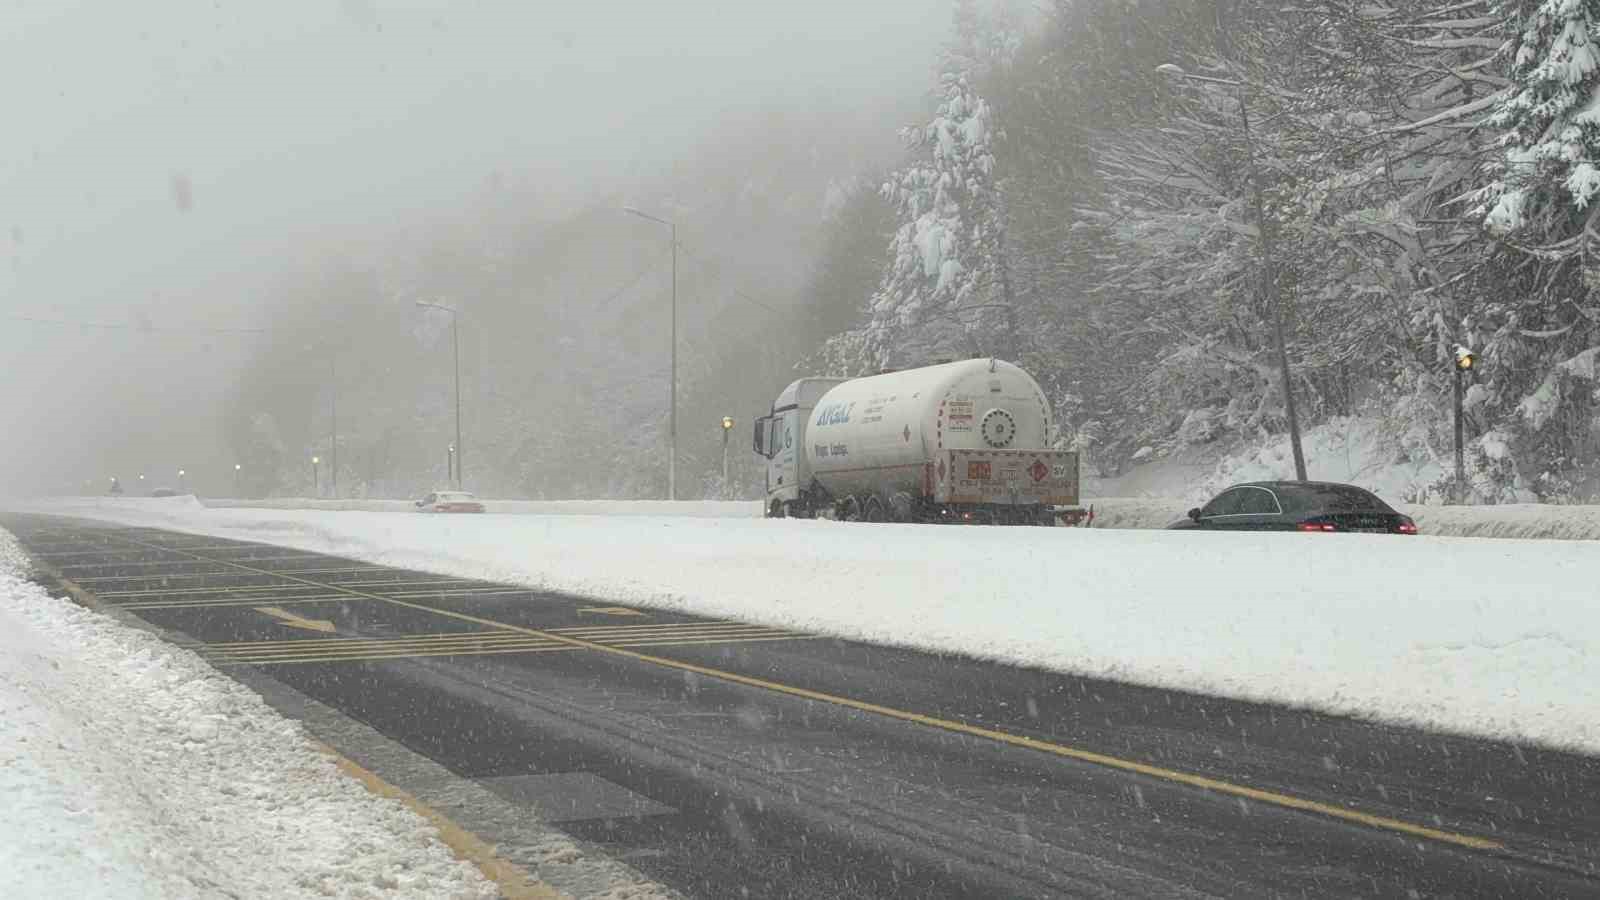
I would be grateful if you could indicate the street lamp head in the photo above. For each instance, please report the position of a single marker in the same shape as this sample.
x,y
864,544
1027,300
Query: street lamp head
x,y
727,423
1172,69
452,448
237,467
181,473
1465,358
315,460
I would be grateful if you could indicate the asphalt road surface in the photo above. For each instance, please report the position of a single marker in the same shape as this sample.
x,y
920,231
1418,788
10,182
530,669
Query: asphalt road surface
x,y
727,759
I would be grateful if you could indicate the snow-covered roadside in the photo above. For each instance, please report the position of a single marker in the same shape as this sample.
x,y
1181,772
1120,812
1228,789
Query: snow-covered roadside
x,y
131,769
1525,520
1495,638
718,509
1512,520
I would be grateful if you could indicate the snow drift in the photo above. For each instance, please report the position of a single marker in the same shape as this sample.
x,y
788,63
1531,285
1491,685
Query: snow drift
x,y
130,769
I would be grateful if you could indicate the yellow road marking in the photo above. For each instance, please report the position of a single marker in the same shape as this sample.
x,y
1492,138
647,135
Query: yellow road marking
x,y
294,621
687,636
159,562
611,610
323,642
248,601
753,639
449,595
364,646
1274,798
513,882
710,631
158,592
165,578
473,644
405,655
251,587
659,626
386,652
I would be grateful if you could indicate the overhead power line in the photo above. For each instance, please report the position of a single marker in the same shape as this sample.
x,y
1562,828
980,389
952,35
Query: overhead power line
x,y
144,329
705,264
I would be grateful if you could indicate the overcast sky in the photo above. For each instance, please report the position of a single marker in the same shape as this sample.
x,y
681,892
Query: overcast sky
x,y
161,158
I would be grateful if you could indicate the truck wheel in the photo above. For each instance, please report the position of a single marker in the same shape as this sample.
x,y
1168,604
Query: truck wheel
x,y
902,508
872,511
851,511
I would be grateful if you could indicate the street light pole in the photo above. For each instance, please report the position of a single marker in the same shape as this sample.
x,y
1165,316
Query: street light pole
x,y
455,344
672,416
236,470
333,452
727,428
316,477
1271,290
1465,359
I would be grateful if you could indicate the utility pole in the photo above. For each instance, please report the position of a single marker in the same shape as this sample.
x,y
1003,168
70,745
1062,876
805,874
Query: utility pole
x,y
672,416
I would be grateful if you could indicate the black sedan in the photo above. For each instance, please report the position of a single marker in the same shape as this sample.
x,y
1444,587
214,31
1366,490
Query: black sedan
x,y
1311,506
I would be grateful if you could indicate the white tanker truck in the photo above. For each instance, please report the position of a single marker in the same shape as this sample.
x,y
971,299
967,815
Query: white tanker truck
x,y
957,442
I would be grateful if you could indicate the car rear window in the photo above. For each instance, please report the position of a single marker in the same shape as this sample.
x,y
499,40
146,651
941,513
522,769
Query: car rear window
x,y
1335,499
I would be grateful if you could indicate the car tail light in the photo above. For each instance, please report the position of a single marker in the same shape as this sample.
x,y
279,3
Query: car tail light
x,y
1407,526
1318,526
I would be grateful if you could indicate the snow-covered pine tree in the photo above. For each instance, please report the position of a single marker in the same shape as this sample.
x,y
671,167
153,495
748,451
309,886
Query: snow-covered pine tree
x,y
945,291
1550,116
1540,328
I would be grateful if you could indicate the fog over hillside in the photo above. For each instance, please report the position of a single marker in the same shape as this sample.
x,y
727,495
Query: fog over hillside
x,y
202,204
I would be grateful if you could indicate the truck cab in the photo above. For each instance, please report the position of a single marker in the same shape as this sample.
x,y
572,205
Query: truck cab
x,y
780,440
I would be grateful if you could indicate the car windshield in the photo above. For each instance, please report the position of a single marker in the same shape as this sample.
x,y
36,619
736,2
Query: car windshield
x,y
454,497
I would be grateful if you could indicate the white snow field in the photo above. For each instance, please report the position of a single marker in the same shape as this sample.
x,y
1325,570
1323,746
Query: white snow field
x,y
1494,638
130,769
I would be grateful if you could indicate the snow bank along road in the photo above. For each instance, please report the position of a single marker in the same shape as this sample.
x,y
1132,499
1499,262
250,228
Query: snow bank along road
x,y
129,768
731,759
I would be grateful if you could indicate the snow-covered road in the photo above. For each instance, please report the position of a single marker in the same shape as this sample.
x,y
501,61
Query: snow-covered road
x,y
130,769
1494,638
